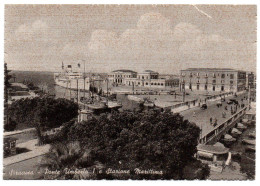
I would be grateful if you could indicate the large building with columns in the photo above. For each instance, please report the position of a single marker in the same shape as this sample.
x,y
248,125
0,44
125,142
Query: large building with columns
x,y
147,78
212,79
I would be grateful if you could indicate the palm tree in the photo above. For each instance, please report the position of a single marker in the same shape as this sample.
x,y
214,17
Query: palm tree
x,y
69,156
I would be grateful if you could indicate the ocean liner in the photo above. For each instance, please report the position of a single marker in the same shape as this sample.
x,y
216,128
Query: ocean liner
x,y
71,80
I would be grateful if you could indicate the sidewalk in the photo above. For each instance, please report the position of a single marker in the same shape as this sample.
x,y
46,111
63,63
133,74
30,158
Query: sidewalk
x,y
34,152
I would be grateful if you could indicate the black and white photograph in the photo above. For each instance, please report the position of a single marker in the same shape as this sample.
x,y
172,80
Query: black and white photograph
x,y
129,91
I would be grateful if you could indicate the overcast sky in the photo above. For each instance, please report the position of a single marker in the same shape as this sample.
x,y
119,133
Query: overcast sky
x,y
164,38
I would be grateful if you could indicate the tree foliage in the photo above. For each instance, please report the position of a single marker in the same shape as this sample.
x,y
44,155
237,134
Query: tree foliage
x,y
151,141
42,112
7,84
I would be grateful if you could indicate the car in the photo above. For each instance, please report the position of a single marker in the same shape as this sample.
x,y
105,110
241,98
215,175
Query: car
x,y
204,106
219,103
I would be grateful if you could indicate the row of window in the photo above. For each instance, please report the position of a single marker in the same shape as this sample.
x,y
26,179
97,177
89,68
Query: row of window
x,y
213,81
213,87
213,75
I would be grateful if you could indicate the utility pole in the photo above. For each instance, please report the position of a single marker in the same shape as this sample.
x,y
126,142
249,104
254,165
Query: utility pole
x,y
77,90
249,92
84,77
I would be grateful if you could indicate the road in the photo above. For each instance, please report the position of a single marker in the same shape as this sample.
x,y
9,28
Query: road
x,y
202,117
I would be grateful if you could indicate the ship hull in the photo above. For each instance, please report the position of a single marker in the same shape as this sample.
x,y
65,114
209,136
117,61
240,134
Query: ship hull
x,y
73,83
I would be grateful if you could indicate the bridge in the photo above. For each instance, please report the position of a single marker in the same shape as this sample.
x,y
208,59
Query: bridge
x,y
214,135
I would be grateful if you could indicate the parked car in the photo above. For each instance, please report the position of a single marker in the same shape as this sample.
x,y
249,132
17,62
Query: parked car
x,y
204,106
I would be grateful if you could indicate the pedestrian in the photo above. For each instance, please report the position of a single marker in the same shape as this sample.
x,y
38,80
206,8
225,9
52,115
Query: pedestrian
x,y
210,120
226,108
215,122
194,113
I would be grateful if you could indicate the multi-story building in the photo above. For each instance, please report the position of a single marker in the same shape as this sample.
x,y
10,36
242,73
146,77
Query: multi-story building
x,y
148,78
250,80
118,76
212,79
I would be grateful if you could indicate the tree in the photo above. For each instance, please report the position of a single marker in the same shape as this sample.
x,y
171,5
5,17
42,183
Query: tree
x,y
43,113
69,156
9,125
6,81
146,143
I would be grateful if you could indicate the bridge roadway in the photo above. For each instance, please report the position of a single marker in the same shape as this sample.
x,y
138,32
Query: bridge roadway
x,y
202,117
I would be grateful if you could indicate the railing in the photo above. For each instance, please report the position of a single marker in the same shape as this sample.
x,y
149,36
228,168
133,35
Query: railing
x,y
196,102
219,129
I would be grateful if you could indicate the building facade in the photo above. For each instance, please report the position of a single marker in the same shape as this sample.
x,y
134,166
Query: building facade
x,y
148,78
118,76
250,80
212,79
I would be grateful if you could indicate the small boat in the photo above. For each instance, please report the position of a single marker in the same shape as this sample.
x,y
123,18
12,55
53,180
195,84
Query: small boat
x,y
114,105
246,121
235,132
228,140
252,134
149,103
250,148
248,141
241,126
135,98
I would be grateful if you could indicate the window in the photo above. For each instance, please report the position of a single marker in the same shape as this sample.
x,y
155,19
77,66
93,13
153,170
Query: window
x,y
151,83
231,76
222,88
206,87
190,87
142,77
198,87
146,83
231,82
222,75
214,81
213,88
162,84
222,81
198,74
214,75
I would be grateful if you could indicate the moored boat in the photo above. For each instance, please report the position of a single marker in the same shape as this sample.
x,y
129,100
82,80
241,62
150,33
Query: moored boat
x,y
252,134
149,103
241,126
248,141
235,132
228,140
135,98
250,148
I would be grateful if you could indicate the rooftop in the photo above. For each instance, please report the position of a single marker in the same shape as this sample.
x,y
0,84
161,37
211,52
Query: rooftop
x,y
210,69
124,70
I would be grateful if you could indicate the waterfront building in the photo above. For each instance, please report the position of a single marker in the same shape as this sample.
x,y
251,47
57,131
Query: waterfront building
x,y
212,79
250,80
147,78
118,76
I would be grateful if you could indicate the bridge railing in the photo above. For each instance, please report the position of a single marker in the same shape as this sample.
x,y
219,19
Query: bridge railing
x,y
220,128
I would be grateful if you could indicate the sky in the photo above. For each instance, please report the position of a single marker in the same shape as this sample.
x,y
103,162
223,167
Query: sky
x,y
163,38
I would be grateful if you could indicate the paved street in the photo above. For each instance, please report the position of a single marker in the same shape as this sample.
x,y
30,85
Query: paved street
x,y
202,117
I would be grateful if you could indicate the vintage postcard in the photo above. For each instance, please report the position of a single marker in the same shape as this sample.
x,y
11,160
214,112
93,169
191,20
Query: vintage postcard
x,y
129,92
